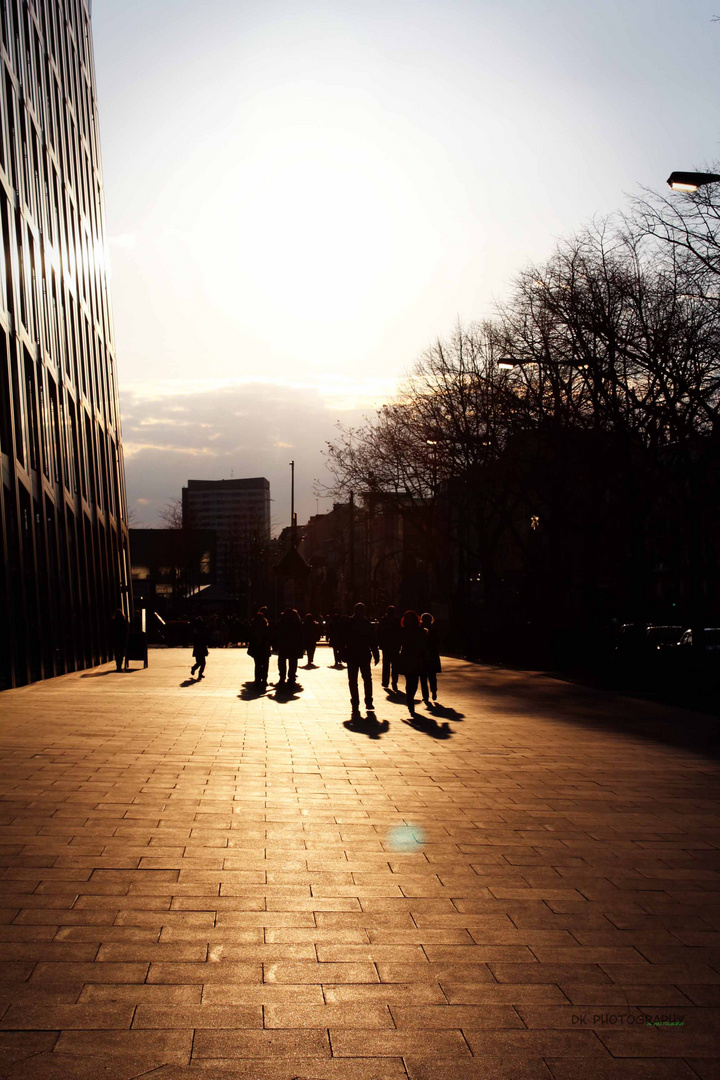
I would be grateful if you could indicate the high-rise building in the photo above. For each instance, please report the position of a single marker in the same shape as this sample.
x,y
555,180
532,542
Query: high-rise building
x,y
239,512
65,565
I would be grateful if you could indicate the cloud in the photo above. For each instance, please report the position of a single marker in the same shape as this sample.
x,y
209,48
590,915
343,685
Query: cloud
x,y
218,431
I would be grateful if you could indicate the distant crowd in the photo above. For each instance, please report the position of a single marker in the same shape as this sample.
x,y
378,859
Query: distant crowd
x,y
407,646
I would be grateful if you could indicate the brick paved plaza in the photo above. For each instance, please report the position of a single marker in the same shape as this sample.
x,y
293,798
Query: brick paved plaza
x,y
197,882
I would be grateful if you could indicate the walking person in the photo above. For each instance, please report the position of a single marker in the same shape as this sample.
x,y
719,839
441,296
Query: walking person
x,y
335,637
200,648
389,642
359,646
120,631
260,647
413,655
429,674
288,644
311,633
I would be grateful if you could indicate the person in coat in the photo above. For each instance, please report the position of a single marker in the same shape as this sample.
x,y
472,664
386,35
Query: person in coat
x,y
120,631
336,632
288,644
413,656
311,633
429,674
358,647
200,648
260,647
389,642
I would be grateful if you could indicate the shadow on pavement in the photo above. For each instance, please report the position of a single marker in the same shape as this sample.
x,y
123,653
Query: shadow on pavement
x,y
113,671
190,682
250,692
396,696
445,712
367,725
544,695
429,726
285,692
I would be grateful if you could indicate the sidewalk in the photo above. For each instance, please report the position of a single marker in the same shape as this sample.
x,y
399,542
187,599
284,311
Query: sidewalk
x,y
200,883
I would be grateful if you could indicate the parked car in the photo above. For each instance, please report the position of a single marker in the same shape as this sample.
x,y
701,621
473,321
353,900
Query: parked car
x,y
659,637
711,642
636,640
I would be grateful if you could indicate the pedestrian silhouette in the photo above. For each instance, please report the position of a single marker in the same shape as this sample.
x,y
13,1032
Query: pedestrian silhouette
x,y
120,631
260,647
413,656
389,642
288,644
429,673
358,646
311,634
200,648
335,637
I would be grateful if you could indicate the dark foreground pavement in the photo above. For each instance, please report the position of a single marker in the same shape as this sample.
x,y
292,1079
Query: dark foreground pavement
x,y
200,883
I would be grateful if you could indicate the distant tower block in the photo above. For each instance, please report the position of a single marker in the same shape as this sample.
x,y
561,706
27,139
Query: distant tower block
x,y
65,564
239,512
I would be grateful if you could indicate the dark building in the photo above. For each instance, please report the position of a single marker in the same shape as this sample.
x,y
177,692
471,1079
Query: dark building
x,y
238,511
65,564
170,567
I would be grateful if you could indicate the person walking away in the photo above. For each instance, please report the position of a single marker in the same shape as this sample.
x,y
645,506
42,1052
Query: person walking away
x,y
389,642
311,633
413,655
260,647
429,674
335,638
288,646
359,645
200,648
120,631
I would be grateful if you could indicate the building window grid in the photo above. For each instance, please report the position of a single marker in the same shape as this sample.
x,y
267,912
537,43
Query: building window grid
x,y
58,236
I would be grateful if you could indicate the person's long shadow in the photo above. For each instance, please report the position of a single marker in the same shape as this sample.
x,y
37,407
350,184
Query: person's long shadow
x,y
250,692
429,726
285,692
444,711
113,671
367,725
190,682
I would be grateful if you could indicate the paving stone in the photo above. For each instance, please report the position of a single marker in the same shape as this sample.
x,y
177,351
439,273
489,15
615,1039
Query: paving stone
x,y
192,884
259,1044
507,1067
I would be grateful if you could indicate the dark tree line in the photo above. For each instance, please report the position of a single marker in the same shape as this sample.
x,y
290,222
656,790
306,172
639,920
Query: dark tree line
x,y
561,460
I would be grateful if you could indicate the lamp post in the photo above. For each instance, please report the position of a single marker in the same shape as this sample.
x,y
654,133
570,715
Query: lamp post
x,y
690,183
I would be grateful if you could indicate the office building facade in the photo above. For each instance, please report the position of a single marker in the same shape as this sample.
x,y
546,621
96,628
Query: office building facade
x,y
65,564
239,513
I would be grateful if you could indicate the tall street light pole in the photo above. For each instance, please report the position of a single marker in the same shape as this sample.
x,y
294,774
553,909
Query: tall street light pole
x,y
690,183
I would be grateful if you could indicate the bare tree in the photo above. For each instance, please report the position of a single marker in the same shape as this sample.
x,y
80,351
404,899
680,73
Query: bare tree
x,y
172,515
595,439
686,233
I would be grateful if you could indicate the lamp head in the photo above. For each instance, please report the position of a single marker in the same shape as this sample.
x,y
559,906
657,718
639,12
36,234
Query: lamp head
x,y
691,181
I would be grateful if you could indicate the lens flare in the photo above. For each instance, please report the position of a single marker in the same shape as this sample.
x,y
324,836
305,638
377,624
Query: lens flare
x,y
405,838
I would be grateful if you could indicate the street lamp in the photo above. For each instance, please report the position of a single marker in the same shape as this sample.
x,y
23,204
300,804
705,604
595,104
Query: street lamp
x,y
691,181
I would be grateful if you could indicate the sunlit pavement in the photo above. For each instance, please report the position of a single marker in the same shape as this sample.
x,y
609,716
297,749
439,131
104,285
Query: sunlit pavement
x,y
198,882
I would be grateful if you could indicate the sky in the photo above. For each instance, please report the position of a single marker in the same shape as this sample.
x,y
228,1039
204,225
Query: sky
x,y
302,196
